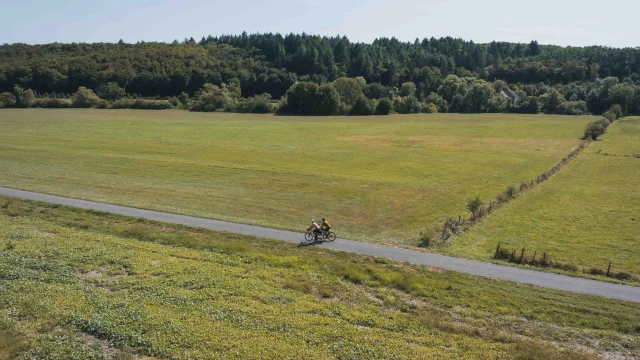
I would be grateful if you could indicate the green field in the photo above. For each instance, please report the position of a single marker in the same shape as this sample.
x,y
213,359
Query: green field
x,y
588,214
79,284
379,179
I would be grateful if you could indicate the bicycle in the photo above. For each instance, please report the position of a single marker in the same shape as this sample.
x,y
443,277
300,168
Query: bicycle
x,y
324,236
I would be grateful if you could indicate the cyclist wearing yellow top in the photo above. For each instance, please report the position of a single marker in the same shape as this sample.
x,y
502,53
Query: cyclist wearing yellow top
x,y
325,225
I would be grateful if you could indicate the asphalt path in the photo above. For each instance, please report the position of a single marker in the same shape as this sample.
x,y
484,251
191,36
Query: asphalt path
x,y
525,276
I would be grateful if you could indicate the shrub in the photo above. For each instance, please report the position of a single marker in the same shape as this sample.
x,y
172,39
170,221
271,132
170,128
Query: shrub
x,y
85,98
497,104
140,104
430,108
122,104
7,99
174,101
300,99
438,101
259,104
409,105
610,116
211,97
384,106
29,98
362,106
408,89
473,205
52,103
595,128
511,191
151,105
427,237
327,101
110,91
617,111
572,108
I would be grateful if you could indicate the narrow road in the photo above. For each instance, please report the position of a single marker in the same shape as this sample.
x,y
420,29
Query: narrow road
x,y
548,280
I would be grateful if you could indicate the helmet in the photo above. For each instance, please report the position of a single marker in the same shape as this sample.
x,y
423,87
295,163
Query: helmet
x,y
323,219
312,220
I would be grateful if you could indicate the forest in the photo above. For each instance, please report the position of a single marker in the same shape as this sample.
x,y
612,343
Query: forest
x,y
332,75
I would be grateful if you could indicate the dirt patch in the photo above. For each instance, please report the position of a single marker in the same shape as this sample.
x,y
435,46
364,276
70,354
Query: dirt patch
x,y
99,275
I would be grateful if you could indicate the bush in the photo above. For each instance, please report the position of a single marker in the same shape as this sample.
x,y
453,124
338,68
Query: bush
x,y
408,89
497,104
85,98
29,98
110,91
7,99
174,101
572,108
430,108
473,205
427,237
610,116
140,104
259,104
595,128
409,105
51,103
151,105
384,106
617,111
211,97
122,104
436,99
363,106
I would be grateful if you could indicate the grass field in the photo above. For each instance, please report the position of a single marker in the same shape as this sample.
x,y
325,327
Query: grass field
x,y
379,179
79,284
587,215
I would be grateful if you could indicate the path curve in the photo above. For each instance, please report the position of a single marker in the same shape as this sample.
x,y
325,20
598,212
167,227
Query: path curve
x,y
525,276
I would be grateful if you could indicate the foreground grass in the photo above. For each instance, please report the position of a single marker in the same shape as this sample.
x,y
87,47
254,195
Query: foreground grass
x,y
380,179
587,215
80,284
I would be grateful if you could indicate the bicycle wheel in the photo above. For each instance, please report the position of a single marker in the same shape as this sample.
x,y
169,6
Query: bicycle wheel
x,y
331,236
308,236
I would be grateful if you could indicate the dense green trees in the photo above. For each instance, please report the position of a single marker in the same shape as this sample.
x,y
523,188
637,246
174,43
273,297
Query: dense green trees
x,y
451,74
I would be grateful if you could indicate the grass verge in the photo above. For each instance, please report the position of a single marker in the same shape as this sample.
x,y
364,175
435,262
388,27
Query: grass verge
x,y
80,284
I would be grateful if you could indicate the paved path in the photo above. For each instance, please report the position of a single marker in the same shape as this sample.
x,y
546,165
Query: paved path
x,y
549,280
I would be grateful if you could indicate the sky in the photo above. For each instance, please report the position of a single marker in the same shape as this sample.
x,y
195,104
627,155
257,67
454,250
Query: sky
x,y
559,22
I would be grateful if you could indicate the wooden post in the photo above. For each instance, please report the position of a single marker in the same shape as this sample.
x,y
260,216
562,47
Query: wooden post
x,y
497,252
521,256
534,257
609,268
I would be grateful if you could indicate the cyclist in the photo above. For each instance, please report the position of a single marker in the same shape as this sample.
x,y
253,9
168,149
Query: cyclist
x,y
316,229
325,225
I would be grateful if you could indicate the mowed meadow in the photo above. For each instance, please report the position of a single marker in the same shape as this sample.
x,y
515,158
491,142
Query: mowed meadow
x,y
378,179
586,215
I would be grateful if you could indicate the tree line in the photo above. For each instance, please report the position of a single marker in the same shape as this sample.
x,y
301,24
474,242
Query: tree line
x,y
271,72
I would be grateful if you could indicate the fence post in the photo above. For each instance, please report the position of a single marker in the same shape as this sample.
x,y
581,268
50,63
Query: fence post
x,y
521,256
609,268
534,257
495,256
